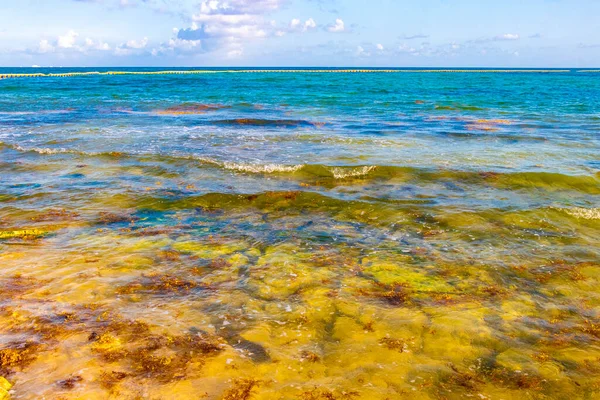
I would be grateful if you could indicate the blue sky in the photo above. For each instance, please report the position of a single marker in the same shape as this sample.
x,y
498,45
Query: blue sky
x,y
507,33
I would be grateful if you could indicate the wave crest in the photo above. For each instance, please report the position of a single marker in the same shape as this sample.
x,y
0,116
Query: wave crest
x,y
261,168
583,213
44,150
343,173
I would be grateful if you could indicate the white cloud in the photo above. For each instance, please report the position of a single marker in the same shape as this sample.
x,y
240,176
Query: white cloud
x,y
67,41
235,53
412,37
240,19
227,26
309,24
131,47
337,27
507,36
360,52
297,25
178,46
137,44
45,47
404,48
91,44
239,6
380,47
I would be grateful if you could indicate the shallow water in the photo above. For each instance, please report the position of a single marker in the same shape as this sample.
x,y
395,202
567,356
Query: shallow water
x,y
300,236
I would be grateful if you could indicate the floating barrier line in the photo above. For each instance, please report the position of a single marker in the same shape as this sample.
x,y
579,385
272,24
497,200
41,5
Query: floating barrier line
x,y
280,71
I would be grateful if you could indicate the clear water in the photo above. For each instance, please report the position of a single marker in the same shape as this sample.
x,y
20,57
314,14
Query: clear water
x,y
300,236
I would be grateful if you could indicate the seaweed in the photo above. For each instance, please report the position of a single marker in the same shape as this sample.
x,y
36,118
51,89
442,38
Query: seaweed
x,y
310,356
199,342
242,389
55,215
162,357
158,366
160,284
493,291
70,382
395,294
191,108
289,123
393,344
109,380
109,348
326,394
466,379
18,285
541,357
558,268
151,231
219,263
591,328
489,370
517,379
170,255
108,218
48,327
368,326
17,355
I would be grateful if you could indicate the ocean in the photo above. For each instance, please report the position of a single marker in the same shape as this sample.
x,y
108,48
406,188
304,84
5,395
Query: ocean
x,y
300,234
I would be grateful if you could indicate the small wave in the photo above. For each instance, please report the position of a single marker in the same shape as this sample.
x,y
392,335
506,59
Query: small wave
x,y
262,168
343,173
51,151
18,113
583,213
310,170
43,150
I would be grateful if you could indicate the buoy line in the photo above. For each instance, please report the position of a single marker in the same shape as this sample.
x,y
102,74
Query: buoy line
x,y
279,71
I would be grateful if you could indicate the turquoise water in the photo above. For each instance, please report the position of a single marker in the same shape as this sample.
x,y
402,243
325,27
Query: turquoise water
x,y
422,234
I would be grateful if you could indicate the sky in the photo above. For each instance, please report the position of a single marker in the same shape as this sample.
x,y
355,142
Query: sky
x,y
353,33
